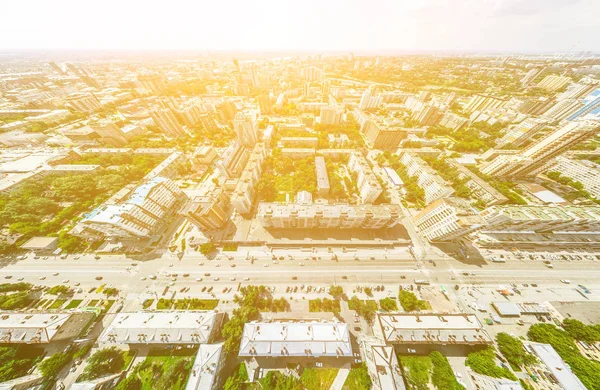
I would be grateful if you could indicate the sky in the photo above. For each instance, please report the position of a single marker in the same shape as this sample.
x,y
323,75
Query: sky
x,y
302,25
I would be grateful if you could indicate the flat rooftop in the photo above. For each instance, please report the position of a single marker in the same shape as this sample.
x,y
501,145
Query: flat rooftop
x,y
432,328
30,327
281,339
182,327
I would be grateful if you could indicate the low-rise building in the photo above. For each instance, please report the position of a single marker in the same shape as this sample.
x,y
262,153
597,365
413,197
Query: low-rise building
x,y
181,327
382,364
554,367
430,328
41,328
583,171
480,189
322,177
299,142
205,374
280,343
447,219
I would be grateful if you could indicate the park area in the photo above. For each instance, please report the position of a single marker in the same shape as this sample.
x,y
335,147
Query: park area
x,y
50,205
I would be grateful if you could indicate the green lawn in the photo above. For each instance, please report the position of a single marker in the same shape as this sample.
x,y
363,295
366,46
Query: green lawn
x,y
93,302
164,372
358,379
74,304
57,304
416,371
318,378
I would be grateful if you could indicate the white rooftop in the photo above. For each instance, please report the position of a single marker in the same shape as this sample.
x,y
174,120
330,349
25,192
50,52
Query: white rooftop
x,y
182,327
280,339
30,328
383,366
206,367
559,369
432,328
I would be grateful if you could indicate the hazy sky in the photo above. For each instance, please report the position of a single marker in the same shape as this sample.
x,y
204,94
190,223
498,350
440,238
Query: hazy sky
x,y
319,25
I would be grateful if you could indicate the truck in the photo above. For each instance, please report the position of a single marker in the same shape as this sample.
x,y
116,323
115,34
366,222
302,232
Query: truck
x,y
424,282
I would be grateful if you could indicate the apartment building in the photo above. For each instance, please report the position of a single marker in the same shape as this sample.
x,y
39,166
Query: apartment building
x,y
330,115
542,218
518,135
452,121
481,102
209,212
562,110
82,102
427,178
447,219
368,186
246,128
323,186
480,189
139,215
553,82
536,158
583,171
317,215
167,122
380,136
245,192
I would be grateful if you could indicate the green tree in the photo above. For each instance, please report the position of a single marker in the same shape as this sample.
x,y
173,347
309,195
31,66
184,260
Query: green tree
x,y
132,382
336,291
54,364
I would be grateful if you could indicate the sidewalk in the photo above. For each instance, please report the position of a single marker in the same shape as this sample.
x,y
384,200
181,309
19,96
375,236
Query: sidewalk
x,y
340,379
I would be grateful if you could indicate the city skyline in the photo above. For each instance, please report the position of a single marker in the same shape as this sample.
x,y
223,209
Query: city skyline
x,y
381,26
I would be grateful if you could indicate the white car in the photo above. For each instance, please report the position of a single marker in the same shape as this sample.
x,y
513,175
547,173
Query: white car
x,y
77,283
216,279
232,279
266,265
246,278
153,277
201,263
198,279
55,274
565,281
218,265
66,281
42,278
143,278
301,264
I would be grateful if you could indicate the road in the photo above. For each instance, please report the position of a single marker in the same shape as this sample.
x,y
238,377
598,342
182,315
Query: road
x,y
120,272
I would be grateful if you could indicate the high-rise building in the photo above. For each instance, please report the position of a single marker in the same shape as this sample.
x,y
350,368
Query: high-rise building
x,y
368,186
434,186
447,219
428,115
531,75
578,91
482,102
246,128
554,82
452,121
330,115
312,73
535,158
325,89
590,109
83,102
562,110
264,103
370,99
378,136
245,192
521,133
208,212
167,122
151,83
322,177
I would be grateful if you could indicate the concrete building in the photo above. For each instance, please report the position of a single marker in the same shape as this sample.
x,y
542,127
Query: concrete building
x,y
82,102
322,177
370,99
338,140
317,215
452,121
204,155
484,382
246,128
206,370
245,192
430,329
583,171
282,343
368,186
447,219
233,161
428,115
578,91
552,364
531,75
208,212
299,142
167,122
535,158
480,189
427,178
482,102
298,153
41,328
41,245
152,83
553,82
518,135
330,115
590,109
380,136
167,328
382,364
562,110
139,215
542,218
